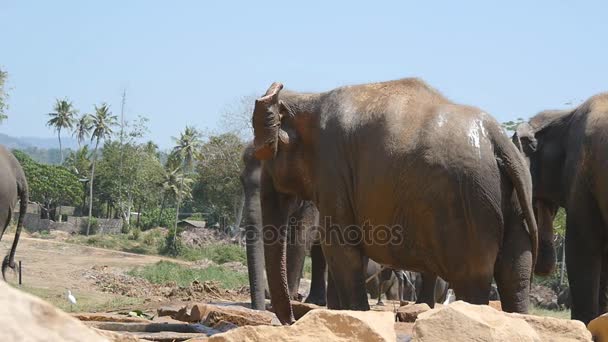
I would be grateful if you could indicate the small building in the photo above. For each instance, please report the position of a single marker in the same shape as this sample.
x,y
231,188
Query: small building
x,y
191,224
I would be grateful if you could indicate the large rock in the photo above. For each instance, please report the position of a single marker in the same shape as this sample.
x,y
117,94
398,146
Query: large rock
x,y
461,321
321,325
599,328
28,318
212,315
409,313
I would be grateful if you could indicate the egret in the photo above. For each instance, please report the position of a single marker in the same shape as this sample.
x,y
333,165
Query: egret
x,y
450,297
71,299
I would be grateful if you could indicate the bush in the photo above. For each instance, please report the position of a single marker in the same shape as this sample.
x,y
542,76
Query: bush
x,y
220,254
94,226
135,234
150,218
173,243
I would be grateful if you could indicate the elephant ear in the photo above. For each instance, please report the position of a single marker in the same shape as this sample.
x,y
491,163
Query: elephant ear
x,y
524,139
267,123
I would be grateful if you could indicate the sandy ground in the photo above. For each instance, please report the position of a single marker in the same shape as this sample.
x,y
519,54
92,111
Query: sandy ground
x,y
50,268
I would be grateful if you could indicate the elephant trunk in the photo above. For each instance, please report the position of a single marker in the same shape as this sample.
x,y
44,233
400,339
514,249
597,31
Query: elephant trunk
x,y
255,251
266,123
9,260
545,213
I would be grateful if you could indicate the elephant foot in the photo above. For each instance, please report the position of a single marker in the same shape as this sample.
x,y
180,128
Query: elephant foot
x,y
380,303
316,300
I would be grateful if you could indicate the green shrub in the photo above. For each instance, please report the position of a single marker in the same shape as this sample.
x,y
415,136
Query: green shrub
x,y
135,234
173,243
152,218
93,229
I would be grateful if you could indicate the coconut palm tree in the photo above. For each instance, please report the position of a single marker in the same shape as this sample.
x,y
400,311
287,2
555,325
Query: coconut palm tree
x,y
102,123
186,150
82,130
62,117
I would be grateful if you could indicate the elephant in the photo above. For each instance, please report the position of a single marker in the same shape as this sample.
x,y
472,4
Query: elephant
x,y
385,281
413,289
567,152
13,187
402,175
303,216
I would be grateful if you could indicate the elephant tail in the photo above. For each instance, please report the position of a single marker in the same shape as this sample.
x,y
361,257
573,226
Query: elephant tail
x,y
9,260
511,161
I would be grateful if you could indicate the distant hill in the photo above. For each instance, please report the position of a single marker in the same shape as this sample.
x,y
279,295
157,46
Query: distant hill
x,y
37,142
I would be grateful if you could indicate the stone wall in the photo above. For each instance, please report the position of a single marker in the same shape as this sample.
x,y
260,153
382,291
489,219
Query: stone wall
x,y
34,223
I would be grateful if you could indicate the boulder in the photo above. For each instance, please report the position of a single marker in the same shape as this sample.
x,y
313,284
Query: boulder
x,y
409,313
495,304
599,328
300,309
211,315
28,318
461,321
108,317
321,325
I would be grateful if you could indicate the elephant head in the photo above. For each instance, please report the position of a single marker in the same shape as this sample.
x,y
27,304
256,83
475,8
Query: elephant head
x,y
284,125
543,143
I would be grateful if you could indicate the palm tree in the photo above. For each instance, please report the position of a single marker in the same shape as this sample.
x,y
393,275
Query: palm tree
x,y
101,124
2,118
82,129
186,151
63,117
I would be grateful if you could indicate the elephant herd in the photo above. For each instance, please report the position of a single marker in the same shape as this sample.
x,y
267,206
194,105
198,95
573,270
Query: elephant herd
x,y
395,172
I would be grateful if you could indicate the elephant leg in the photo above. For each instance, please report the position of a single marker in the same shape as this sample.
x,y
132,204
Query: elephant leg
x,y
603,291
513,266
317,283
381,285
474,290
427,294
584,259
255,266
333,301
400,284
345,264
296,254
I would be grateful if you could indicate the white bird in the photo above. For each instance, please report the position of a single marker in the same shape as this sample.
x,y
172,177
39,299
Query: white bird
x,y
450,297
71,299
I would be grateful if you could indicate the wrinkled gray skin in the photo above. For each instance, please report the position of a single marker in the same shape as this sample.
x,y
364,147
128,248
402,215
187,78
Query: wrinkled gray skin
x,y
414,291
385,282
303,219
13,187
568,156
442,180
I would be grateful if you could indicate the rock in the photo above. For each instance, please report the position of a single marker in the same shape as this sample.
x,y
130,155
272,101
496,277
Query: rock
x,y
300,309
211,315
461,321
543,297
167,311
599,328
108,317
322,325
409,313
28,318
495,304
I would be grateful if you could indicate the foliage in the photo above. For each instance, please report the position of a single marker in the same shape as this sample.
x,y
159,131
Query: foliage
x,y
43,155
3,96
510,126
62,118
91,228
173,244
83,128
50,185
164,272
220,254
218,188
153,218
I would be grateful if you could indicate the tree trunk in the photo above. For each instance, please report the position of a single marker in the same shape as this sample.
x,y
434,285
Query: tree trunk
x,y
179,199
162,209
60,149
91,187
138,215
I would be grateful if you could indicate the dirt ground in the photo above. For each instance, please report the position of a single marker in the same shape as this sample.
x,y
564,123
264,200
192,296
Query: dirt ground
x,y
95,276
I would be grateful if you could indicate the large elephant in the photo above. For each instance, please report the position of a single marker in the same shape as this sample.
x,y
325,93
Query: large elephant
x,y
302,221
13,187
402,175
568,156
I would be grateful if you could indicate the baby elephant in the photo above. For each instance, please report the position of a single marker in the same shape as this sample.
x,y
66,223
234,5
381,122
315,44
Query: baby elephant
x,y
383,281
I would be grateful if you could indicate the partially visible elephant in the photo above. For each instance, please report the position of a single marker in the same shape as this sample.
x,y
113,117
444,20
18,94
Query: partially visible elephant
x,y
383,281
303,218
568,155
402,175
13,187
414,291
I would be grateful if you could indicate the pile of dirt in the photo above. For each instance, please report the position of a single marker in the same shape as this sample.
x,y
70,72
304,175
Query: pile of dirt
x,y
203,236
116,282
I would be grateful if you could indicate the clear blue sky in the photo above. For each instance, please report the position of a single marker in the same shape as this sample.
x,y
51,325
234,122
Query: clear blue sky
x,y
183,62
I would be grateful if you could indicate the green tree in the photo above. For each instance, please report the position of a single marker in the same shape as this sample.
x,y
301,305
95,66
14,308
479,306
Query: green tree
x,y
218,187
3,96
50,185
82,130
510,126
62,117
102,123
